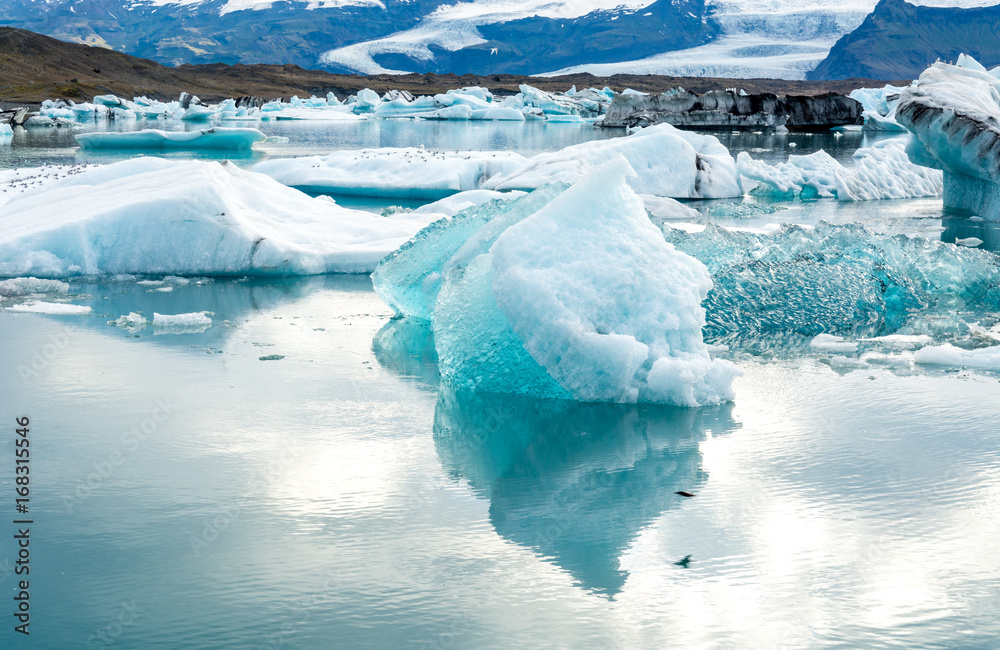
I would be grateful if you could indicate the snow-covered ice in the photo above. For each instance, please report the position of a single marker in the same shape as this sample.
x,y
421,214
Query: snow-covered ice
x,y
213,138
153,217
668,162
881,171
193,319
393,173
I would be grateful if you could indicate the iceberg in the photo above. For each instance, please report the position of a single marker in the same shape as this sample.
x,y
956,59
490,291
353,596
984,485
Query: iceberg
x,y
668,162
194,319
391,173
563,293
879,106
151,216
153,139
27,286
949,355
881,171
952,113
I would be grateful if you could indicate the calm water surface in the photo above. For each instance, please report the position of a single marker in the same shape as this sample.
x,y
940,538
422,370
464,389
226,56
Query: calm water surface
x,y
340,497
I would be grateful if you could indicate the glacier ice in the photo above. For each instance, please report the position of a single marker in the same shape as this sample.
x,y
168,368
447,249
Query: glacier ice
x,y
952,113
881,171
667,161
879,106
563,293
27,286
393,173
213,138
834,279
198,319
151,216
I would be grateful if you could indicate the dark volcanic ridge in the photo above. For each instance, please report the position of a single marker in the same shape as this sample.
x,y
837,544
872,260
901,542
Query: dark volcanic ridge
x,y
34,68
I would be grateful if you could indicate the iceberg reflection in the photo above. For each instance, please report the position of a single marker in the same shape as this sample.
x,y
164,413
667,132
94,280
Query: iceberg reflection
x,y
574,482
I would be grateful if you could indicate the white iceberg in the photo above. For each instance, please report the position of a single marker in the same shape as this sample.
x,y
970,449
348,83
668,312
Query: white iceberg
x,y
52,308
881,171
667,161
566,293
879,106
153,139
953,114
392,173
157,217
193,319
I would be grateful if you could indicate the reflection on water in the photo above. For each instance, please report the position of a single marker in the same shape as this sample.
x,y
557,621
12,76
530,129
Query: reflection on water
x,y
963,227
575,483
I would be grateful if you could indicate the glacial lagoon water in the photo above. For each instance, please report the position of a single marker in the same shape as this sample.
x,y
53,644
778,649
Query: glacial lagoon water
x,y
187,493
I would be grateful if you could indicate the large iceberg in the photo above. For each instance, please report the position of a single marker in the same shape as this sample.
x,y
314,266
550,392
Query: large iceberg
x,y
151,139
152,216
879,106
392,173
953,114
881,171
575,296
667,162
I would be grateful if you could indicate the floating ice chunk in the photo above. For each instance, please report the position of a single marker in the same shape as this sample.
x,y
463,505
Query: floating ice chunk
x,y
54,308
28,286
391,173
949,355
952,113
882,171
831,343
188,218
132,322
584,299
366,101
668,162
6,130
971,242
214,138
193,319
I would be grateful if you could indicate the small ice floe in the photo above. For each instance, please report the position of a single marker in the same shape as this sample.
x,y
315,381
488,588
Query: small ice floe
x,y
980,332
840,362
831,343
971,242
949,355
133,322
54,308
150,283
192,323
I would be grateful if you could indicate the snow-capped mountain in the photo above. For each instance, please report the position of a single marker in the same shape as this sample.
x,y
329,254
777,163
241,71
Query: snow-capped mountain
x,y
722,38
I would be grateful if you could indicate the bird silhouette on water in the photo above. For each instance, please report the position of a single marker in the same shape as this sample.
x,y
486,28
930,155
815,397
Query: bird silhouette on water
x,y
684,561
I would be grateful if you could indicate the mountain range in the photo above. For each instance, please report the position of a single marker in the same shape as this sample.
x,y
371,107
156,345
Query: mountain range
x,y
787,39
